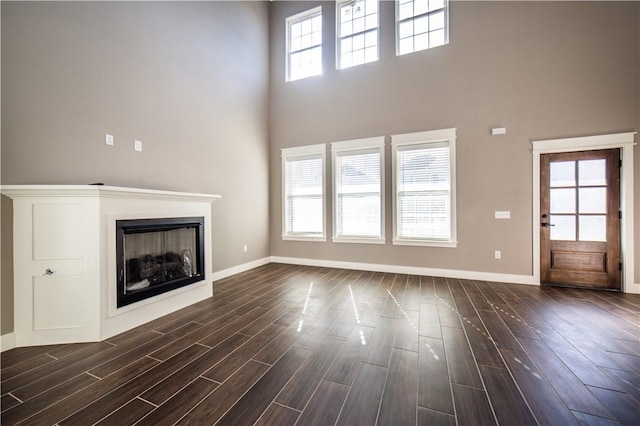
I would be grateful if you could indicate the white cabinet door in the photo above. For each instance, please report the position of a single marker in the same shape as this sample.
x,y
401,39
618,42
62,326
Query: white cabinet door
x,y
55,271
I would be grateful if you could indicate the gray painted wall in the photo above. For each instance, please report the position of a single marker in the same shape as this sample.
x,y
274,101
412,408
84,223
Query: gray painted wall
x,y
544,70
188,79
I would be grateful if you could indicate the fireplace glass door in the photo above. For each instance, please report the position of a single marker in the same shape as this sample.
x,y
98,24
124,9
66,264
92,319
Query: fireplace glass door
x,y
158,255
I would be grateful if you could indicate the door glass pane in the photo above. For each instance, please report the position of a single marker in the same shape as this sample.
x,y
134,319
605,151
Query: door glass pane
x,y
564,228
563,200
593,200
562,173
592,172
593,228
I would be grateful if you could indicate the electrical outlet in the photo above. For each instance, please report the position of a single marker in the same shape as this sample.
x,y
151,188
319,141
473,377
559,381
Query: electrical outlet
x,y
244,248
503,214
108,139
497,254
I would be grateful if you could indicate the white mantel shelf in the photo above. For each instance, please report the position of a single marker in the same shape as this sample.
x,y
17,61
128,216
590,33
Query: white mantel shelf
x,y
64,251
14,191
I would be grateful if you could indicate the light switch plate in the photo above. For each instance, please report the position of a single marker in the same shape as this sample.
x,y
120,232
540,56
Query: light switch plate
x,y
137,145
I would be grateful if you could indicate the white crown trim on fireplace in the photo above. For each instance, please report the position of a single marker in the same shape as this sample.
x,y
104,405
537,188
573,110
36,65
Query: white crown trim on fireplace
x,y
13,191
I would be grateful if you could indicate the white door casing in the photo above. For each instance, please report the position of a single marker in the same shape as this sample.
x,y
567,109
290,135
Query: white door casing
x,y
624,141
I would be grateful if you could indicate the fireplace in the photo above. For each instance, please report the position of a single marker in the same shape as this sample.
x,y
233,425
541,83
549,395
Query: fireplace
x,y
155,256
67,251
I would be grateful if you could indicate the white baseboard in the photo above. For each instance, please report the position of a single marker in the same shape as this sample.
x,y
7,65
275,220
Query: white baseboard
x,y
411,270
218,275
7,341
633,289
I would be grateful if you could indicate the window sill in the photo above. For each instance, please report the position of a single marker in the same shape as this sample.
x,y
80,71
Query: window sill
x,y
356,240
426,243
304,238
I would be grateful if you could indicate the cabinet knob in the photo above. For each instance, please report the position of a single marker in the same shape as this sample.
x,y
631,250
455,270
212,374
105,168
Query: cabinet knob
x,y
48,272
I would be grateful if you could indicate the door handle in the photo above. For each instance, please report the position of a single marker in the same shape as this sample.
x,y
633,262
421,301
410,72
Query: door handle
x,y
546,224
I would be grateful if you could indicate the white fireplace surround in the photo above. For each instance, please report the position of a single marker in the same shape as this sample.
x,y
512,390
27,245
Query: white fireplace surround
x,y
65,259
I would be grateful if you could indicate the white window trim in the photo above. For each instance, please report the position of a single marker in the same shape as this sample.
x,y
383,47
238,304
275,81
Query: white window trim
x,y
431,136
339,37
355,145
397,24
303,151
292,20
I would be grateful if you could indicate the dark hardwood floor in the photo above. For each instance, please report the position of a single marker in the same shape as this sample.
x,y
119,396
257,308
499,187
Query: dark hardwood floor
x,y
286,345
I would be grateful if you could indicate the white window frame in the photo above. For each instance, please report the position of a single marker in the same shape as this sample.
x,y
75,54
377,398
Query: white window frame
x,y
303,16
339,36
420,15
435,137
357,146
299,153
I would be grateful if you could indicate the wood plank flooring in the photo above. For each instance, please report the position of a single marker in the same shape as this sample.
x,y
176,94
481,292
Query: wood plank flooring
x,y
293,345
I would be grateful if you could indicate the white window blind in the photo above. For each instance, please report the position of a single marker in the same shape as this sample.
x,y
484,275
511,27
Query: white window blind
x,y
303,187
423,192
425,188
358,193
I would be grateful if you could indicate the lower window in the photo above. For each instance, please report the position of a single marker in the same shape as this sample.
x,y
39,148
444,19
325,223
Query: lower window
x,y
303,183
424,188
358,183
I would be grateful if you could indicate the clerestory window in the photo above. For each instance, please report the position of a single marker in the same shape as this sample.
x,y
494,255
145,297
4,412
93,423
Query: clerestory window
x,y
421,24
304,44
357,32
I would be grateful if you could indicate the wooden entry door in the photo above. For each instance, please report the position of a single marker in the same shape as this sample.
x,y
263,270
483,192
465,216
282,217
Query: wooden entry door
x,y
580,219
